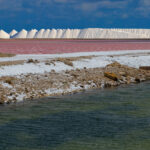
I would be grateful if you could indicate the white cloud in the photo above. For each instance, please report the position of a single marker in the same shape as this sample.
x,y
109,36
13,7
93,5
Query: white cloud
x,y
145,3
143,8
91,6
12,5
61,1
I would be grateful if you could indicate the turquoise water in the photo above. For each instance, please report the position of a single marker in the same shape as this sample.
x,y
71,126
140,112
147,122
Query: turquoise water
x,y
110,119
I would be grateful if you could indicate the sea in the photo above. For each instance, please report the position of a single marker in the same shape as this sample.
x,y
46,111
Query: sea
x,y
102,119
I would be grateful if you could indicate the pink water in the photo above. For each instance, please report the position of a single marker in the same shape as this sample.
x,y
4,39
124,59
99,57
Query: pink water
x,y
70,46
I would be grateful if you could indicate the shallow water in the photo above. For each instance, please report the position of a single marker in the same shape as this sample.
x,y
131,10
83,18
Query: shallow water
x,y
115,119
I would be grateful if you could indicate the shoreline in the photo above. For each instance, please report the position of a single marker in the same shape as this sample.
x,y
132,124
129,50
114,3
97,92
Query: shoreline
x,y
67,75
27,77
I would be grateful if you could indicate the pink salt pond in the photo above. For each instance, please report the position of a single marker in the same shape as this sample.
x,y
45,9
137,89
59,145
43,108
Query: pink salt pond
x,y
46,46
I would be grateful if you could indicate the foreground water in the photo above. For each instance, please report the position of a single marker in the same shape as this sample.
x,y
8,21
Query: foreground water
x,y
115,119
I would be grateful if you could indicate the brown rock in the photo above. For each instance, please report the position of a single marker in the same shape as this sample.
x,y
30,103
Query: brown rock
x,y
53,71
111,76
77,69
2,99
74,75
115,64
32,61
123,74
145,67
47,63
82,86
8,80
137,80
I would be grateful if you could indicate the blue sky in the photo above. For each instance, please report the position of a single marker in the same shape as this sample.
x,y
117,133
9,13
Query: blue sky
x,y
28,14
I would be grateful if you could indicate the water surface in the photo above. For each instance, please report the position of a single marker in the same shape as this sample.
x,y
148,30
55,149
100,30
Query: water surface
x,y
115,119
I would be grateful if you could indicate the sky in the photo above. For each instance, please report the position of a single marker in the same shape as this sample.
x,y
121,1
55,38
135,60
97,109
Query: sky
x,y
30,14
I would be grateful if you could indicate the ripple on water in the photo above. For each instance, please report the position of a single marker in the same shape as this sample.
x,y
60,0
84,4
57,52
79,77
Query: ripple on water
x,y
101,119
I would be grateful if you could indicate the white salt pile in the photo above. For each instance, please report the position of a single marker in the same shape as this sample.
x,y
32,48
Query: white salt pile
x,y
39,34
52,34
12,33
31,33
46,33
4,35
60,32
21,35
89,33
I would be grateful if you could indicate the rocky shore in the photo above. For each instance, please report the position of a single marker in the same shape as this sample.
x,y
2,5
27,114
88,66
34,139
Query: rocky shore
x,y
32,86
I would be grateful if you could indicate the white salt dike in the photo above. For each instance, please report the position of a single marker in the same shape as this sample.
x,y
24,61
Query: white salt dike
x,y
4,35
39,34
31,33
21,35
12,33
46,33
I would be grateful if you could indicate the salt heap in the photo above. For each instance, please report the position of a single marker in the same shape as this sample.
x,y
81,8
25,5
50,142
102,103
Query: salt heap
x,y
39,34
75,33
66,34
4,35
46,33
31,34
21,35
52,34
59,34
12,33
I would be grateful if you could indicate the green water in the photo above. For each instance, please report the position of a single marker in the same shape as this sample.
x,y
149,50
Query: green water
x,y
110,119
